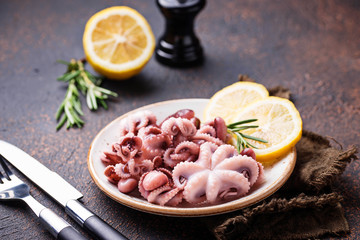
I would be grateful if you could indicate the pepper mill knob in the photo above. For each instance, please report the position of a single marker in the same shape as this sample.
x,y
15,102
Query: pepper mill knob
x,y
179,46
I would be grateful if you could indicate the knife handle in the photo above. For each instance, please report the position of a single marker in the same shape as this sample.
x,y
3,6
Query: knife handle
x,y
58,227
69,233
92,223
101,229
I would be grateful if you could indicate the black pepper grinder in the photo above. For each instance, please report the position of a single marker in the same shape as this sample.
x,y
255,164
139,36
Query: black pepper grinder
x,y
179,46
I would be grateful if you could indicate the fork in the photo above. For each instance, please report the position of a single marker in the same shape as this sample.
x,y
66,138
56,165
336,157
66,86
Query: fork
x,y
12,188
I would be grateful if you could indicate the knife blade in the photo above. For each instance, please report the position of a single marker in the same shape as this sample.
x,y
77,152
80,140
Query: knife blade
x,y
60,190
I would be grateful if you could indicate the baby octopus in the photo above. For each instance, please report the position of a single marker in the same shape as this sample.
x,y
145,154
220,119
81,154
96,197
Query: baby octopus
x,y
179,159
220,173
158,187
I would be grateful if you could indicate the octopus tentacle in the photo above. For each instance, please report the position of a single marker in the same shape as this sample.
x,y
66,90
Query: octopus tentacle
x,y
183,171
207,129
145,118
226,184
177,199
141,188
111,175
187,146
195,190
149,131
206,151
186,127
170,198
153,196
169,126
236,185
133,123
261,177
122,170
184,152
223,152
110,158
241,164
179,139
136,169
212,189
126,126
157,162
207,138
168,161
146,166
174,126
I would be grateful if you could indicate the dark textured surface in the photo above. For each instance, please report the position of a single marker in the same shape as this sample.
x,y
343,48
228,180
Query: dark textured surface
x,y
310,47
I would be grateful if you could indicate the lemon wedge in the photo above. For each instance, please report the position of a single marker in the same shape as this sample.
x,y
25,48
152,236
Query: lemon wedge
x,y
279,124
118,42
229,101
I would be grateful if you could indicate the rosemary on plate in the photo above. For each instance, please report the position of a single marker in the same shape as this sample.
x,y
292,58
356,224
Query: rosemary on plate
x,y
79,79
241,142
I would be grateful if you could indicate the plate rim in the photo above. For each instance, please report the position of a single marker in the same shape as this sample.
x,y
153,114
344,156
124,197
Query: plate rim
x,y
141,205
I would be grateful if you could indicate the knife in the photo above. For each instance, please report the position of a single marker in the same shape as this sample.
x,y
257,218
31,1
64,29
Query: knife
x,y
60,190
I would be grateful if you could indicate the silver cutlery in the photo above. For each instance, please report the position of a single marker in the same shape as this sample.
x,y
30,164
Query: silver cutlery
x,y
12,188
60,190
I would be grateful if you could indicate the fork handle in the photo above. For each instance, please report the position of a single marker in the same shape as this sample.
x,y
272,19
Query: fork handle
x,y
58,227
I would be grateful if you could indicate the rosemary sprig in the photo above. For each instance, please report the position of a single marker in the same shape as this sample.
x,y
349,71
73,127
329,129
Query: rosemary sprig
x,y
241,142
79,79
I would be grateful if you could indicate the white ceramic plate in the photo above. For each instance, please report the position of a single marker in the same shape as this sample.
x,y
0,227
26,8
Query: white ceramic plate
x,y
275,175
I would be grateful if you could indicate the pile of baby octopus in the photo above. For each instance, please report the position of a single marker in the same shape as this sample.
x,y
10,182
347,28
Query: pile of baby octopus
x,y
179,159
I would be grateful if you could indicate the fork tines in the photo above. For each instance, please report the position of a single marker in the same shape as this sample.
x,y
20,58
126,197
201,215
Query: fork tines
x,y
7,170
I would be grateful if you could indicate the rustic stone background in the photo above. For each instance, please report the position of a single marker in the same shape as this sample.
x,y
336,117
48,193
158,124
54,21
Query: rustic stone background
x,y
311,47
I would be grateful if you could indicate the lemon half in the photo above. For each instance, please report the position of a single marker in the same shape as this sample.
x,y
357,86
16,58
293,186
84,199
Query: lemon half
x,y
229,101
118,42
279,123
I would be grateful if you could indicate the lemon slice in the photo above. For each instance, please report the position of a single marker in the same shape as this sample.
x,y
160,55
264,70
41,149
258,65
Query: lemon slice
x,y
279,123
229,101
118,42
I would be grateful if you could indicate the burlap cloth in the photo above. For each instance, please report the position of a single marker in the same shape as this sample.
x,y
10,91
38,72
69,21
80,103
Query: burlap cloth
x,y
306,206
